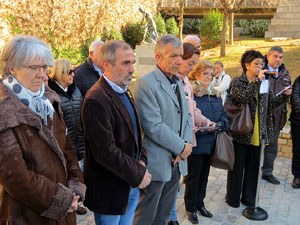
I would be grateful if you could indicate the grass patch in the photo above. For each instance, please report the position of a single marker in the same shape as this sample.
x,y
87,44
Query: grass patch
x,y
232,64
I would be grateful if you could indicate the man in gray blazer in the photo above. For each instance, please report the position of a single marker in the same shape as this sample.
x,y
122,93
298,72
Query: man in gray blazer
x,y
167,126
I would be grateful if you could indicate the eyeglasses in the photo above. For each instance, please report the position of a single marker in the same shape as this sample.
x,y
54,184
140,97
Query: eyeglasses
x,y
209,74
259,64
37,68
70,72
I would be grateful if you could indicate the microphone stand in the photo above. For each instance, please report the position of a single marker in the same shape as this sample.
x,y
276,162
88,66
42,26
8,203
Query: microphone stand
x,y
257,213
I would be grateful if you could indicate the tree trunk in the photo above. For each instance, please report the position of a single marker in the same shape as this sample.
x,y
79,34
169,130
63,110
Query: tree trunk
x,y
224,31
231,19
180,19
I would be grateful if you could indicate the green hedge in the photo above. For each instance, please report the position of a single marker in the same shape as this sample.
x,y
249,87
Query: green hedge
x,y
171,26
133,33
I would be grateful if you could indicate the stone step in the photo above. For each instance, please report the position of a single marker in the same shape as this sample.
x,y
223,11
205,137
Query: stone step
x,y
284,22
290,34
288,9
284,28
287,15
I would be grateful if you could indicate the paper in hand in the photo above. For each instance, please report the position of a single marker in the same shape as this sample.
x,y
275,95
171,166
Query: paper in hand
x,y
264,87
279,93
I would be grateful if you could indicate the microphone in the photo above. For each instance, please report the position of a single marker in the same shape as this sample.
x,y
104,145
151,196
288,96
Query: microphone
x,y
268,73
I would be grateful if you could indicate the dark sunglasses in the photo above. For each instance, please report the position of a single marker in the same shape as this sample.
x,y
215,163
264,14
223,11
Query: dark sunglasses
x,y
70,72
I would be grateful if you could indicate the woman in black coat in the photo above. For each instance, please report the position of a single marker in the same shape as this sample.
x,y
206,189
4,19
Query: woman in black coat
x,y
62,83
295,128
242,180
210,104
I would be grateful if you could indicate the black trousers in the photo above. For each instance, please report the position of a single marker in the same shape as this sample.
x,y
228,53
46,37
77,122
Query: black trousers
x,y
242,180
196,181
296,150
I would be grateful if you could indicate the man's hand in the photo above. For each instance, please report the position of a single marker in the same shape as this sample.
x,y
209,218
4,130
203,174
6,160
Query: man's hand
x,y
176,160
74,204
187,151
288,91
146,180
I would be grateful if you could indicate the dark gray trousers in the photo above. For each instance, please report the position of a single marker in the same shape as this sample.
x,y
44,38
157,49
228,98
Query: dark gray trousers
x,y
270,154
155,207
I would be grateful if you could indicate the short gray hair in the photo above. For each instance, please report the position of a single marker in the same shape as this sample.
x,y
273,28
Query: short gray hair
x,y
190,38
94,45
275,49
164,40
22,50
109,49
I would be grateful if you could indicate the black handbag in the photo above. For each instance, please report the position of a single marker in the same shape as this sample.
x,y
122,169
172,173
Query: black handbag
x,y
239,117
223,155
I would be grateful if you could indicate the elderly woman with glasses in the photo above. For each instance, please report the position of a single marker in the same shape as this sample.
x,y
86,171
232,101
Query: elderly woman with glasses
x,y
242,180
210,104
40,180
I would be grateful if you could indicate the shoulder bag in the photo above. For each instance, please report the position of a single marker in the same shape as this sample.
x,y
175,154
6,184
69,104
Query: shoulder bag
x,y
239,117
223,156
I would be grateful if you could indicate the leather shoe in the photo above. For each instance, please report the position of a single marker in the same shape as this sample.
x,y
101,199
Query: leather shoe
x,y
271,179
173,222
192,217
81,210
205,212
296,183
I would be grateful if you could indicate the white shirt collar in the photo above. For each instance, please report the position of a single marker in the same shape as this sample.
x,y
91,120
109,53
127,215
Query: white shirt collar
x,y
273,70
65,89
100,72
114,86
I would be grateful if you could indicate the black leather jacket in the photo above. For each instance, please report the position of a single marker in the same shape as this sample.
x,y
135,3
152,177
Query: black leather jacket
x,y
276,85
295,102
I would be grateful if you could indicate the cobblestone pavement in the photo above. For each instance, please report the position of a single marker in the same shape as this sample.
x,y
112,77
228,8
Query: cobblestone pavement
x,y
280,201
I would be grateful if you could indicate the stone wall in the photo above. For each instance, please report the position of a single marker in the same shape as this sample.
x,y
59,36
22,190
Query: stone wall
x,y
285,143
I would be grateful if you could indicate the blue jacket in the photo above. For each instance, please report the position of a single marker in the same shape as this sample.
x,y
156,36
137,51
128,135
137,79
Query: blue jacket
x,y
212,108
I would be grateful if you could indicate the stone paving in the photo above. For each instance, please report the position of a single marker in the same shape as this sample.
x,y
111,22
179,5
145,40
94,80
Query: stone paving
x,y
282,202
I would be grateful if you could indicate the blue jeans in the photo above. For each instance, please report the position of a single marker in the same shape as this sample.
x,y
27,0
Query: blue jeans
x,y
173,216
101,219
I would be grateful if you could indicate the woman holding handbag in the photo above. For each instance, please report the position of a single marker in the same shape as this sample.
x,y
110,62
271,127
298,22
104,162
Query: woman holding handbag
x,y
211,107
242,180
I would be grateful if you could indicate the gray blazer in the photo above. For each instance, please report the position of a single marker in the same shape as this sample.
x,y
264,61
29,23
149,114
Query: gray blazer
x,y
160,116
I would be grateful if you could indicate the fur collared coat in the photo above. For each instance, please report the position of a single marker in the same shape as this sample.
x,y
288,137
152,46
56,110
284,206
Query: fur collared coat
x,y
39,172
210,103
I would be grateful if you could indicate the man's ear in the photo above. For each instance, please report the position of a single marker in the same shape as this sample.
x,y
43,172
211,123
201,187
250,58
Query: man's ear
x,y
157,57
91,54
106,65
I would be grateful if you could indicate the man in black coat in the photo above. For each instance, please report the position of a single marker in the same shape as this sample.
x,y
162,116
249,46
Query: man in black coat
x,y
115,158
281,79
87,74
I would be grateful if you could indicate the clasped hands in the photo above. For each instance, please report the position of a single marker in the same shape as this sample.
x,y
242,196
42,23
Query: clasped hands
x,y
184,154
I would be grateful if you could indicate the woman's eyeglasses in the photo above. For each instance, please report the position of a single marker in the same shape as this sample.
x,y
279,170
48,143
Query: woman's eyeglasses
x,y
259,64
37,68
209,74
70,72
